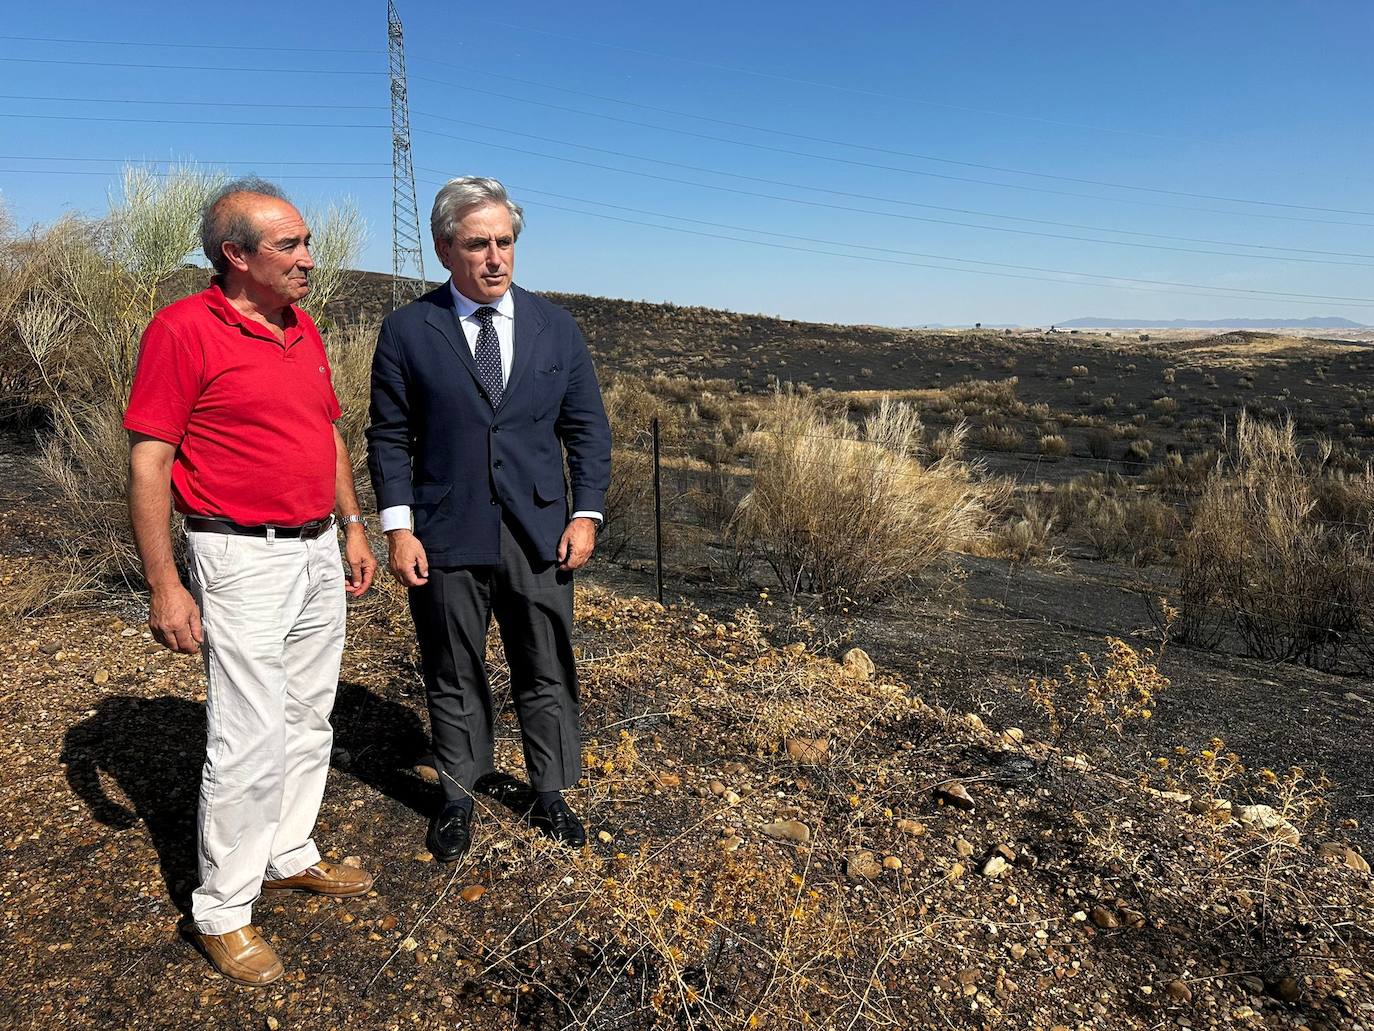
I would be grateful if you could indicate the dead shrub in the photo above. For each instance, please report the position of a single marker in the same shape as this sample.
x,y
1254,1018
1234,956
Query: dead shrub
x,y
1053,445
999,437
848,512
1261,566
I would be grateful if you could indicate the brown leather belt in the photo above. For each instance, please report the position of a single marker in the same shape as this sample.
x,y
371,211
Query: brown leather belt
x,y
306,531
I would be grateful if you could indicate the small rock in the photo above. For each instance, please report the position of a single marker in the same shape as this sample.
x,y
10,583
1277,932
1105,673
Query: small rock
x,y
1104,918
1252,984
963,848
388,923
913,827
717,788
1017,950
731,843
788,830
273,1023
424,857
1006,852
892,863
604,837
102,676
995,867
1178,991
50,648
1263,818
1013,735
858,665
129,631
355,862
956,795
409,944
668,780
807,751
731,798
955,872
472,893
428,774
862,866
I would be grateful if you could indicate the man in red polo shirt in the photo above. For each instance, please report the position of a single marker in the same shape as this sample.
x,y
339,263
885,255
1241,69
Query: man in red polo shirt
x,y
232,417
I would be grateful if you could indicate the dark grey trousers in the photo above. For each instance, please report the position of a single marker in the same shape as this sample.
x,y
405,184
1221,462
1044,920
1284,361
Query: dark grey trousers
x,y
533,604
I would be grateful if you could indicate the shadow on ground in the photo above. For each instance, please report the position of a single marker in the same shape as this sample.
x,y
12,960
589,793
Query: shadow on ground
x,y
139,759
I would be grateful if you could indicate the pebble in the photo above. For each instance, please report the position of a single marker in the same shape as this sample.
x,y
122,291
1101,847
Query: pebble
x,y
731,798
101,676
995,867
892,863
857,663
862,866
428,774
913,827
1018,951
717,788
273,1023
472,893
1105,918
1178,991
788,830
963,848
956,795
604,837
731,843
1264,818
807,751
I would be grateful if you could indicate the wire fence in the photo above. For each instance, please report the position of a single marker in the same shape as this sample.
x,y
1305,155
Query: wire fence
x,y
675,511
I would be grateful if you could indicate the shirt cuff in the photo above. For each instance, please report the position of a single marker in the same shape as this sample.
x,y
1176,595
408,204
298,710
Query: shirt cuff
x,y
589,515
397,517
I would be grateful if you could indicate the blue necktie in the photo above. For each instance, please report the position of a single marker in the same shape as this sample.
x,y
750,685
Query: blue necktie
x,y
488,357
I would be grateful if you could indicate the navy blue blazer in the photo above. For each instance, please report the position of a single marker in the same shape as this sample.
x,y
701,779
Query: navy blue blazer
x,y
435,443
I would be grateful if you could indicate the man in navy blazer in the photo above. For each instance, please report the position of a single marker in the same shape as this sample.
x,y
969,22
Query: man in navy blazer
x,y
479,390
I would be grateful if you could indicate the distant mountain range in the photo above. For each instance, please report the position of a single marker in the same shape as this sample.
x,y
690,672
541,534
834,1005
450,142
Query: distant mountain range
x,y
1328,322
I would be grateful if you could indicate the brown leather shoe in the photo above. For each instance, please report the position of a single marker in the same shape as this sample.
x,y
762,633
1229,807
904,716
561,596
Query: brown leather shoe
x,y
333,879
243,955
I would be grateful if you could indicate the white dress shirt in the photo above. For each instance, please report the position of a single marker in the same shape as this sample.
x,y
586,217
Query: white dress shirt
x,y
397,517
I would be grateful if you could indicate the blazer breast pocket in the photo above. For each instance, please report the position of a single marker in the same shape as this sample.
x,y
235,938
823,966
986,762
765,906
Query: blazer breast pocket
x,y
550,384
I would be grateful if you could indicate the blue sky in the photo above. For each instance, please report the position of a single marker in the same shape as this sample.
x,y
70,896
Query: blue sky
x,y
815,154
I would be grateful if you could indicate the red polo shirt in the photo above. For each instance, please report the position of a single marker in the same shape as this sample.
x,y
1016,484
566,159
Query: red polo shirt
x,y
252,418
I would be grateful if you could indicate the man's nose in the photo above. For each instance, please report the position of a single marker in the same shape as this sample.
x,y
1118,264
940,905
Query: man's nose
x,y
305,260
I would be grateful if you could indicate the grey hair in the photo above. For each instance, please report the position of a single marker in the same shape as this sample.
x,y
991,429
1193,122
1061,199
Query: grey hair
x,y
459,196
222,223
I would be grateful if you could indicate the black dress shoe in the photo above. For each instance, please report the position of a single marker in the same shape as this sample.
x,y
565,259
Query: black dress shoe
x,y
450,832
559,822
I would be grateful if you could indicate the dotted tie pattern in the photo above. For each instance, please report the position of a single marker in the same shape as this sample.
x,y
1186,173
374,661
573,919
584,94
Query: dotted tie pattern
x,y
488,357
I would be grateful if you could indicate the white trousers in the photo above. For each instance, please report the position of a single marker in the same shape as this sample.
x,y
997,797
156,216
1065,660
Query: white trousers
x,y
273,616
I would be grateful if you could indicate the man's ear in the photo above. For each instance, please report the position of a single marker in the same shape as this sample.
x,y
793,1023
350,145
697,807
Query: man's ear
x,y
235,254
441,248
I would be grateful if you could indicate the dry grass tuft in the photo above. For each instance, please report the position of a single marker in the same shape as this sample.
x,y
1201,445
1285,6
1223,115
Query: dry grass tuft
x,y
848,512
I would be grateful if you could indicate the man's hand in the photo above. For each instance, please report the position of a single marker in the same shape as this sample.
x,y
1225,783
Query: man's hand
x,y
577,544
362,564
174,619
406,558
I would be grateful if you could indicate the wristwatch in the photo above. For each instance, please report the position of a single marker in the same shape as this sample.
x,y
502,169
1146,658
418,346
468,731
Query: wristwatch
x,y
346,520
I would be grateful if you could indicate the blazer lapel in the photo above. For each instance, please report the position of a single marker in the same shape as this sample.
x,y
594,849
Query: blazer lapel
x,y
444,318
529,323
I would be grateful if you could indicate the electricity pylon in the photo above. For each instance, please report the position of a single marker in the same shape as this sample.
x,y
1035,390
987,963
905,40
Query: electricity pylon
x,y
407,252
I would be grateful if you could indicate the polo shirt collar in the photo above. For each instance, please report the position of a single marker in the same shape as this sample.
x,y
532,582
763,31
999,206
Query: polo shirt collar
x,y
465,307
221,307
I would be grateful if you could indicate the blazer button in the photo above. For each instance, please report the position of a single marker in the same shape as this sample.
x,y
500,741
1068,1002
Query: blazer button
x,y
497,464
494,501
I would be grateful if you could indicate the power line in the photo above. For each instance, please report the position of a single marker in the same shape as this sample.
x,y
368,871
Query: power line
x,y
499,130
885,150
174,161
174,46
195,103
908,171
1120,283
799,186
189,121
188,67
856,90
82,171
